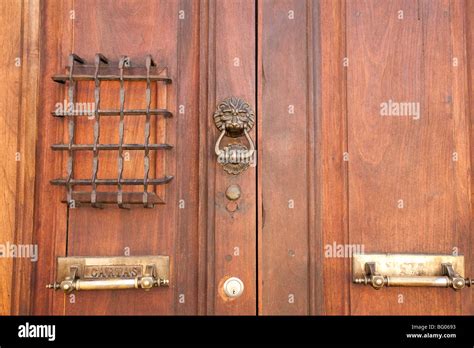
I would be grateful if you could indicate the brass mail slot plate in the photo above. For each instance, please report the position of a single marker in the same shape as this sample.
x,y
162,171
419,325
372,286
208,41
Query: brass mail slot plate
x,y
410,265
116,267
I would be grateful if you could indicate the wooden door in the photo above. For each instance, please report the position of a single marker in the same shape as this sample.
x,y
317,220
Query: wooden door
x,y
208,51
335,172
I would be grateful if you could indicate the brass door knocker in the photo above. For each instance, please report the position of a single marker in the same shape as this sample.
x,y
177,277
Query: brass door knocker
x,y
234,118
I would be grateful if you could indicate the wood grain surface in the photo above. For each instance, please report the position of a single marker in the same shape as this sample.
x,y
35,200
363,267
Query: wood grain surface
x,y
469,42
332,170
405,190
233,39
112,231
286,149
388,183
19,71
193,226
10,16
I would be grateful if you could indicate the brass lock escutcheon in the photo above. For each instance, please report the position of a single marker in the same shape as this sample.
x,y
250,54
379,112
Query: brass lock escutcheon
x,y
234,118
111,273
379,270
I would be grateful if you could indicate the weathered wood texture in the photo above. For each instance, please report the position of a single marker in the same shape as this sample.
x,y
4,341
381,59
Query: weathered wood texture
x,y
18,91
406,183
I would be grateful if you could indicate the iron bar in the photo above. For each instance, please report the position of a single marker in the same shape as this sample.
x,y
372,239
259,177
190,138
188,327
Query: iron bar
x,y
111,197
71,124
86,77
149,63
84,182
102,147
120,203
99,58
132,112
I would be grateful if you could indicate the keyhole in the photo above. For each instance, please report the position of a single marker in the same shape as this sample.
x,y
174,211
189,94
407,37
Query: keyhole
x,y
233,287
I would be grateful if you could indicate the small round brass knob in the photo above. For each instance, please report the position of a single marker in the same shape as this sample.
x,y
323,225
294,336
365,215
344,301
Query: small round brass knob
x,y
377,282
233,192
458,283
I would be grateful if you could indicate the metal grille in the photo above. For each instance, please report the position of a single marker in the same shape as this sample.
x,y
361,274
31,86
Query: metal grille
x,y
103,71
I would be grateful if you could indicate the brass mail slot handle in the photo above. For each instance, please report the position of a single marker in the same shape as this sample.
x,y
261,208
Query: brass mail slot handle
x,y
378,282
83,274
71,283
422,271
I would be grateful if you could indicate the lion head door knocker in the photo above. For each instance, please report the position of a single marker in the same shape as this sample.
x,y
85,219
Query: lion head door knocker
x,y
234,118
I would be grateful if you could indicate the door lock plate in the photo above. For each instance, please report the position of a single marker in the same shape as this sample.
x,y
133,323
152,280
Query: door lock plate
x,y
233,287
111,273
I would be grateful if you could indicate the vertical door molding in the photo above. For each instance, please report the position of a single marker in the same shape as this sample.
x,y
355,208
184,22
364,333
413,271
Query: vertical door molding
x,y
231,238
206,284
291,197
19,75
469,42
27,136
333,157
50,223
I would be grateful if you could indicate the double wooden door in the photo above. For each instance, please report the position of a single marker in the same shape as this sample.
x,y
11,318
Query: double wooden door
x,y
330,172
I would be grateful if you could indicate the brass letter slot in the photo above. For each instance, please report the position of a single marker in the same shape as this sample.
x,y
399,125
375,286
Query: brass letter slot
x,y
379,270
111,273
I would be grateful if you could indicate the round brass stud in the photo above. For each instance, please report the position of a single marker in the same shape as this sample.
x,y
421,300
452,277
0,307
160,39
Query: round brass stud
x,y
233,192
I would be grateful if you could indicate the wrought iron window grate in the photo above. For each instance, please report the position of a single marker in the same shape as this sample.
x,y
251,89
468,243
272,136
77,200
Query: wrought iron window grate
x,y
100,71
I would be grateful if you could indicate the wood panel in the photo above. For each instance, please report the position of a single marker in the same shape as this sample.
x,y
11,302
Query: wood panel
x,y
333,156
152,29
199,52
188,235
27,147
50,215
233,243
469,42
336,110
11,47
18,90
109,231
382,183
405,190
287,154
